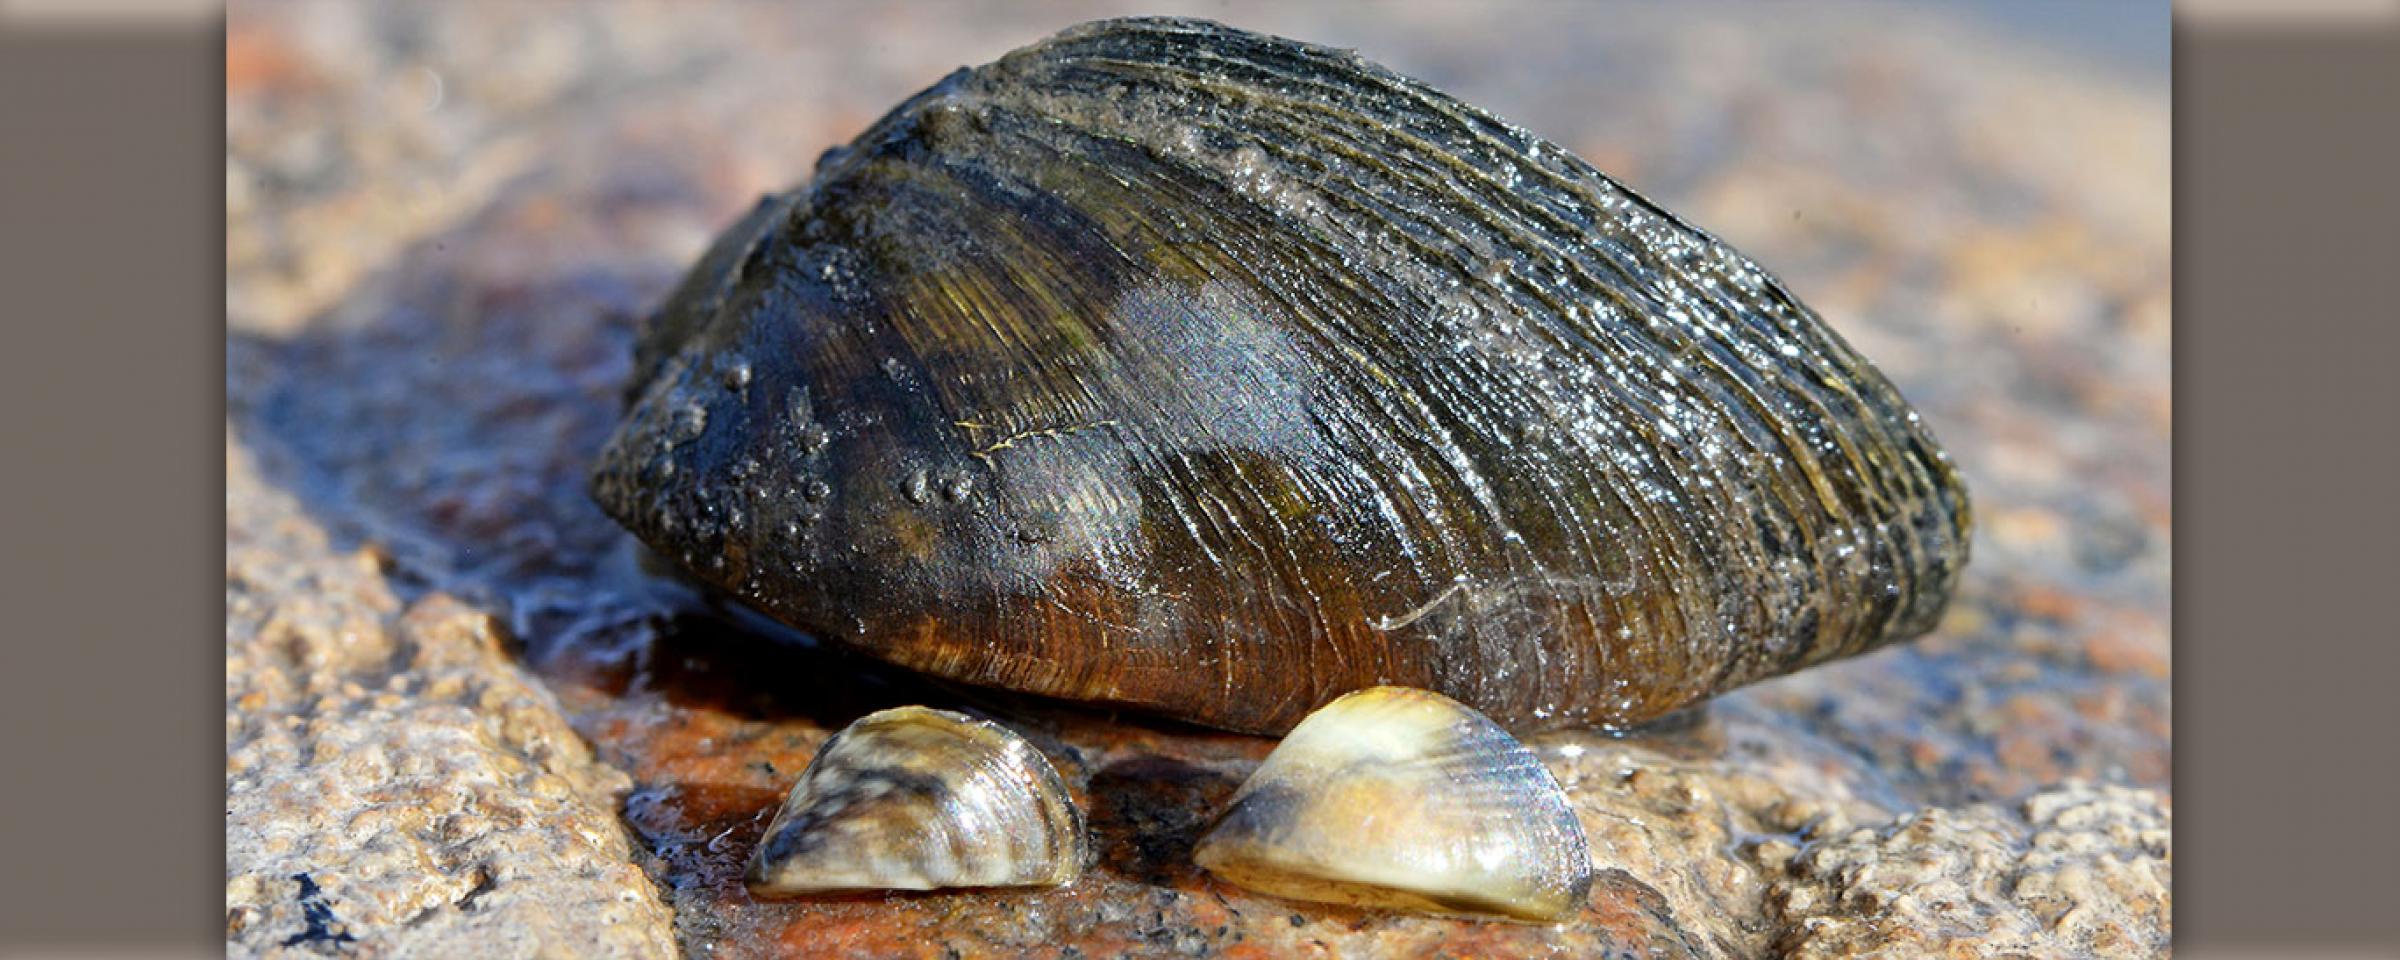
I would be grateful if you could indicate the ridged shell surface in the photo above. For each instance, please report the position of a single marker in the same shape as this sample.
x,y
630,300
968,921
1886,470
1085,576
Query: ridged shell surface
x,y
1400,798
919,799
1168,365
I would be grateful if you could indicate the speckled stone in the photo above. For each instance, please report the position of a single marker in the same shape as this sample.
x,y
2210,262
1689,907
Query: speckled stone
x,y
2075,871
395,783
459,709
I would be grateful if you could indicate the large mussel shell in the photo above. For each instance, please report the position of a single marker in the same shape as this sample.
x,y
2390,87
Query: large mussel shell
x,y
1168,365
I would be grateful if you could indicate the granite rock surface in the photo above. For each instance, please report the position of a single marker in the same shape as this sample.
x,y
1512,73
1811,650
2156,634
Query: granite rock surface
x,y
395,782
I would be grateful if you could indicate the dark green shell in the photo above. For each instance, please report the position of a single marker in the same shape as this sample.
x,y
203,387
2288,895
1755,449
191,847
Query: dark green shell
x,y
1168,365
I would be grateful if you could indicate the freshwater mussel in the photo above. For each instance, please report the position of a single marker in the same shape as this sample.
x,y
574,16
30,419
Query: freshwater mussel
x,y
913,798
1405,799
1166,365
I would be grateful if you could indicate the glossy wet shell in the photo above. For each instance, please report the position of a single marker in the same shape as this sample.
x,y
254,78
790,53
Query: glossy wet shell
x,y
918,799
1166,365
1404,799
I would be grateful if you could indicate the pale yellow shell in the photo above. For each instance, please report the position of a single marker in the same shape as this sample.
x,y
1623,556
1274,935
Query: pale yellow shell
x,y
1406,799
